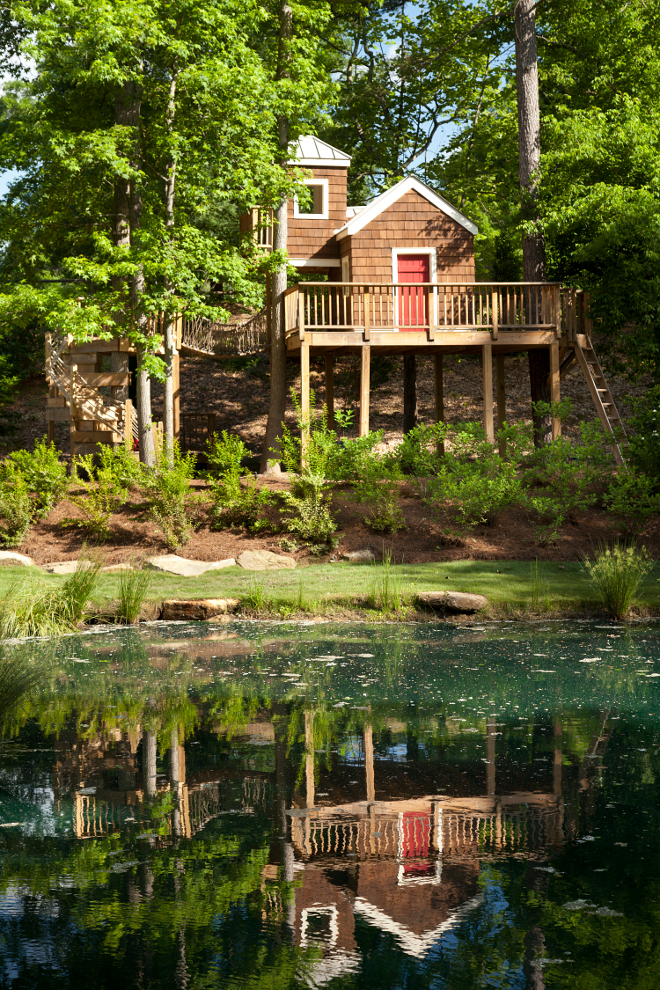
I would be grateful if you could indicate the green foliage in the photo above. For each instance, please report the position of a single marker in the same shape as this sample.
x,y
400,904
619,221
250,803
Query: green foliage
x,y
102,495
474,484
171,504
351,455
133,589
15,506
44,473
617,572
27,610
19,674
234,502
122,464
378,488
572,476
644,445
419,452
307,505
385,593
632,499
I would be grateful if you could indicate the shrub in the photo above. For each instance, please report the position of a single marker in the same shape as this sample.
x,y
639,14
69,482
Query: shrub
x,y
122,463
419,453
133,589
15,506
29,611
378,488
171,504
348,460
235,503
632,499
644,446
474,484
102,495
45,475
618,572
308,502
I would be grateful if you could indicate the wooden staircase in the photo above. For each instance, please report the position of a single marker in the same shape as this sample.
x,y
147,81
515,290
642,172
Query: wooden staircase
x,y
600,393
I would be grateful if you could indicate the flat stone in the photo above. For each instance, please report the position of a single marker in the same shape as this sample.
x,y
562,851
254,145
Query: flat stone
x,y
453,601
170,563
204,608
117,567
359,557
263,560
65,567
9,558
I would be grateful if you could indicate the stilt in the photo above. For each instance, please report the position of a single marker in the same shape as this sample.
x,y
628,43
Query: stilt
x,y
304,395
364,390
555,387
487,368
309,758
439,394
330,388
501,400
51,431
409,392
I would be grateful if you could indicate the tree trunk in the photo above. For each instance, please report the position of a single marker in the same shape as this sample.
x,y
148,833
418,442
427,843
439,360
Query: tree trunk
x,y
170,347
409,392
277,404
529,160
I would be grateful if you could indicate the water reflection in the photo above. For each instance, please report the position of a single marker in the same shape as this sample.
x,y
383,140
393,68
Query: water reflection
x,y
347,807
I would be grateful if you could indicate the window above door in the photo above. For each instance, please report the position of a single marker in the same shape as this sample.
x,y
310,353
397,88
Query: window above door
x,y
317,208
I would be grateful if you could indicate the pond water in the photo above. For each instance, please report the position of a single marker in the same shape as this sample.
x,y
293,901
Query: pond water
x,y
267,806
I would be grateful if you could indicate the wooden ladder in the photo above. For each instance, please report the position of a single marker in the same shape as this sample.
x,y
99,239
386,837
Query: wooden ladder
x,y
600,393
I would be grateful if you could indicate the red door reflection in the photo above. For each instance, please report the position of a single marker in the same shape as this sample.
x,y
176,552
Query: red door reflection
x,y
413,303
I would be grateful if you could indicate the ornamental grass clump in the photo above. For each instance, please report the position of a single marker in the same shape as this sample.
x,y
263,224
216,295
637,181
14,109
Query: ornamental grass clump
x,y
133,589
617,572
29,610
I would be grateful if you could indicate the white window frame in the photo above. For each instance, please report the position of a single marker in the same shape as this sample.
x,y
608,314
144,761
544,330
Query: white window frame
x,y
433,271
313,216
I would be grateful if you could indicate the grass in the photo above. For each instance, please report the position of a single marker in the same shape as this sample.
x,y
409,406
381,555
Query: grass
x,y
617,573
30,608
333,587
133,590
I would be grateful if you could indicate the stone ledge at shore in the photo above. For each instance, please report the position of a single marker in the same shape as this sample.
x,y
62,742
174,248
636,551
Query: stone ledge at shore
x,y
452,601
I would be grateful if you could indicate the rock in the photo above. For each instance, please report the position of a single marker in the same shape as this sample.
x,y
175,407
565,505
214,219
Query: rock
x,y
170,563
453,601
9,558
66,567
359,557
263,560
117,567
205,608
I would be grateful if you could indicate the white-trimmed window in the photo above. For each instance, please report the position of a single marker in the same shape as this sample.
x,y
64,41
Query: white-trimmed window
x,y
317,206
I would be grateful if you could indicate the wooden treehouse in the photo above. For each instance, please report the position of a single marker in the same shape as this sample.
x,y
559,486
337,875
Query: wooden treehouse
x,y
399,280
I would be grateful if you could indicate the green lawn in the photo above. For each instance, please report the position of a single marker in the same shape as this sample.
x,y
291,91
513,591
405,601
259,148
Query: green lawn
x,y
506,584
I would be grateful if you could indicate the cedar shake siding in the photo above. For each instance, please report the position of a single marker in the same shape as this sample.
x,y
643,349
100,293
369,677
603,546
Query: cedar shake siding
x,y
411,222
316,238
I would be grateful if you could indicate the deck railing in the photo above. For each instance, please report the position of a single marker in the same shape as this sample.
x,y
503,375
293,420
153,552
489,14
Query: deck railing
x,y
442,307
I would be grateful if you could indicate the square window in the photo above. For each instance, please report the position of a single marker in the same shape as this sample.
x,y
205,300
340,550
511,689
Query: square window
x,y
317,205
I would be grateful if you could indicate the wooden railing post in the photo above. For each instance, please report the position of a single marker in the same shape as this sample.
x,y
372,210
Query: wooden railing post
x,y
556,299
367,315
495,312
304,401
128,423
301,314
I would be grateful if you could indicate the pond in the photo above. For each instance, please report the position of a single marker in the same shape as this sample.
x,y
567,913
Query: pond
x,y
357,806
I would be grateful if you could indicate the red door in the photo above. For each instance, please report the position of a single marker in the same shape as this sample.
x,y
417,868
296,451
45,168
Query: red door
x,y
413,303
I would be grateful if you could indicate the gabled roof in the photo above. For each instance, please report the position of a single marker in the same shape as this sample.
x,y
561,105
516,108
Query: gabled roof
x,y
411,943
390,196
312,151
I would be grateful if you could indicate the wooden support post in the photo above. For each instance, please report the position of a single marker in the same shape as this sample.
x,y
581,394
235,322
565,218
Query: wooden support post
x,y
364,390
330,388
309,759
268,309
369,762
176,394
304,397
74,413
128,423
555,390
487,369
439,394
501,401
51,431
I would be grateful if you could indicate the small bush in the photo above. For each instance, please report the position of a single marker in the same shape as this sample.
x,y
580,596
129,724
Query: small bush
x,y
133,589
644,446
102,495
308,503
235,502
349,458
172,506
122,463
378,488
632,499
419,453
45,475
617,573
15,507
